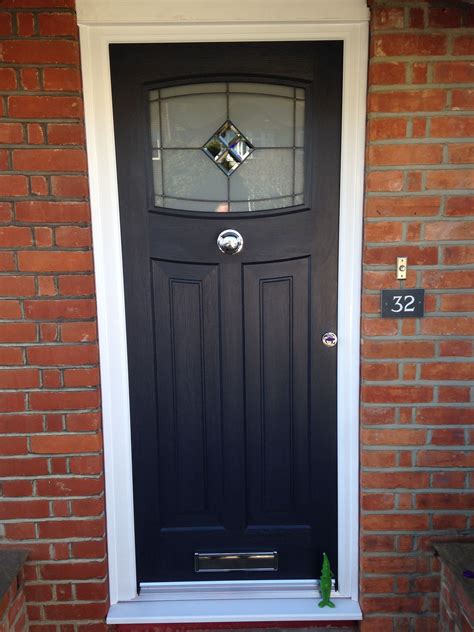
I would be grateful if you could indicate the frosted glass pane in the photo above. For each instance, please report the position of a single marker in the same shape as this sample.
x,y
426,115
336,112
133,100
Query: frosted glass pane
x,y
265,120
157,173
189,173
299,123
193,88
196,205
299,93
155,123
299,199
299,171
189,121
261,205
262,88
266,173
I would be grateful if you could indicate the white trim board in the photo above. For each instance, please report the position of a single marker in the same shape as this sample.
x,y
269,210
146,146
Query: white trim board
x,y
103,22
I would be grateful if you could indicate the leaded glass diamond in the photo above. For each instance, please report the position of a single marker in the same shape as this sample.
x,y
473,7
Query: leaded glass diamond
x,y
228,148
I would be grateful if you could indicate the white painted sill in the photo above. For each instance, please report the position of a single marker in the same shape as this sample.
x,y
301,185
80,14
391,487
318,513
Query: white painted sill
x,y
231,610
209,602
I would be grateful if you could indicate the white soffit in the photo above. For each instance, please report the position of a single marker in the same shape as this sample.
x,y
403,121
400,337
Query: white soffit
x,y
195,11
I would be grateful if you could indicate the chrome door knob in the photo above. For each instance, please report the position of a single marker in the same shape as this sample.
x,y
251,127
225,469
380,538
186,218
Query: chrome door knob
x,y
230,242
329,339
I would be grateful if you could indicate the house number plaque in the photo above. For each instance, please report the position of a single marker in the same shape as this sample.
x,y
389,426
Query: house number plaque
x,y
403,303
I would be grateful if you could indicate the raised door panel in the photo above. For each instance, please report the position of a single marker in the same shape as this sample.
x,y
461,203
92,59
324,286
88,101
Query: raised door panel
x,y
185,302
276,372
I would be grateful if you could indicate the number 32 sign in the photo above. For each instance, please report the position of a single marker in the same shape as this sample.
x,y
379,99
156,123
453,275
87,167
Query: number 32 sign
x,y
403,303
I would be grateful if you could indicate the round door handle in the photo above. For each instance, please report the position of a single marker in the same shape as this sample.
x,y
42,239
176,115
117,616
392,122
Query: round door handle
x,y
329,339
230,242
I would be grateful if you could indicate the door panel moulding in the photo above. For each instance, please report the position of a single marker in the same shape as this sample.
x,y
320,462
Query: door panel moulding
x,y
101,23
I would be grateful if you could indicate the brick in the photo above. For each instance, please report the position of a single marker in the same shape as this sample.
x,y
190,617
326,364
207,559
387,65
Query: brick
x,y
419,73
78,332
387,73
462,99
52,310
383,232
386,255
39,186
461,153
40,52
66,529
14,236
463,45
35,134
384,181
65,134
57,24
12,356
17,332
18,379
447,415
388,17
402,206
397,394
5,24
438,458
449,436
453,394
452,126
447,371
432,100
460,205
49,160
386,128
81,377
67,400
82,421
44,107
380,372
453,72
405,155
447,231
70,186
30,79
457,279
26,25
63,355
54,261
73,237
10,133
444,17
24,509
457,303
6,261
13,185
70,487
86,465
395,522
67,443
404,44
8,79
10,310
36,211
17,286
393,437
62,79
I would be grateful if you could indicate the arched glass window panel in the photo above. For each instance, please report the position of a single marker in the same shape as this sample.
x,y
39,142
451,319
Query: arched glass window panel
x,y
228,146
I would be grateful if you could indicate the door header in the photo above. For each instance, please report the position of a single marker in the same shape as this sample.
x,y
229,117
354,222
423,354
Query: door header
x,y
108,12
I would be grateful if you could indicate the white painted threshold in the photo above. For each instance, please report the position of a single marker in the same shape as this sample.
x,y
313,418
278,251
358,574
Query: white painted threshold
x,y
231,610
210,602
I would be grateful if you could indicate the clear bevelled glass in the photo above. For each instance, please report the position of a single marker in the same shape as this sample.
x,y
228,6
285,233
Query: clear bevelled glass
x,y
227,146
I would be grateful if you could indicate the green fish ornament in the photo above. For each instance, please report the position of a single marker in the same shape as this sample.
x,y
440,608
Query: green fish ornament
x,y
325,583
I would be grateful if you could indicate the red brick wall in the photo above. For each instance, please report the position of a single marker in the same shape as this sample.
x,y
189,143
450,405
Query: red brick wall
x,y
51,462
416,373
415,411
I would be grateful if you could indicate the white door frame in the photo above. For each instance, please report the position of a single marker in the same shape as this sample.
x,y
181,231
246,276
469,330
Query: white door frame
x,y
103,22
